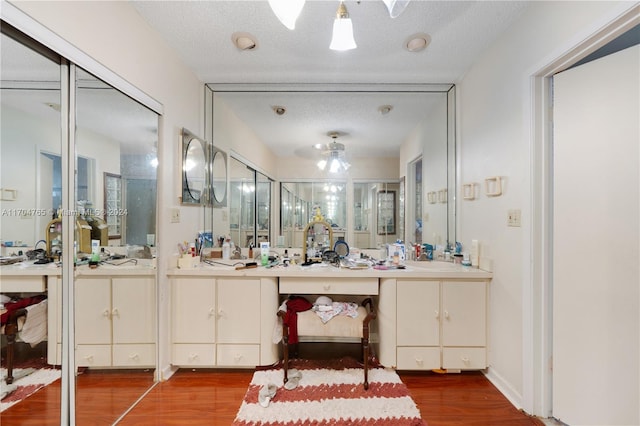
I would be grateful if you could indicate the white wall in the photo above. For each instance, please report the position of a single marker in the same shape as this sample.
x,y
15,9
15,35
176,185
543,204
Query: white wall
x,y
494,101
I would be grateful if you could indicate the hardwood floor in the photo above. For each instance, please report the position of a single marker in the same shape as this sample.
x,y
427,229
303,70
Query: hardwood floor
x,y
212,397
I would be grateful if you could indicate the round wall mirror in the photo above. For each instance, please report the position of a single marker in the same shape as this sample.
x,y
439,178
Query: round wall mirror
x,y
219,173
194,167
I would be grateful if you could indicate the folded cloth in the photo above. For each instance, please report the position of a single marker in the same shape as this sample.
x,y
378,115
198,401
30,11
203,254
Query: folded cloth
x,y
349,309
34,329
295,304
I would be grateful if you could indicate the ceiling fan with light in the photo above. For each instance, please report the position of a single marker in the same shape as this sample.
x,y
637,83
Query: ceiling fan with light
x,y
288,11
333,154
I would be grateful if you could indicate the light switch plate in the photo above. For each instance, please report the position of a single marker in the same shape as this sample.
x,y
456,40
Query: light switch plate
x,y
175,215
513,217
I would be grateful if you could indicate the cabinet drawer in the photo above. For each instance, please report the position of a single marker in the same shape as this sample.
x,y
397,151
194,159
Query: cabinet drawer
x,y
464,358
238,355
312,285
134,355
93,355
194,355
418,358
26,284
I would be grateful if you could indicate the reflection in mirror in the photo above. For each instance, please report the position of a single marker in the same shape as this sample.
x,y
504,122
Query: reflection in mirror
x,y
376,215
301,201
194,168
219,177
422,124
30,150
242,205
263,203
115,320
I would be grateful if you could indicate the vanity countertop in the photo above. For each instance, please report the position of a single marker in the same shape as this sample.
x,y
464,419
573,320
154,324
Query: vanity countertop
x,y
432,269
29,268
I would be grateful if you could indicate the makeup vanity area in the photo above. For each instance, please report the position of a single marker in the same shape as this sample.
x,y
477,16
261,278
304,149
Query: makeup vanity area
x,y
431,315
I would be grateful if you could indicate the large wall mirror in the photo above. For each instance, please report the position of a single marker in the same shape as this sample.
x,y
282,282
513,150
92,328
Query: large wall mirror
x,y
114,168
289,119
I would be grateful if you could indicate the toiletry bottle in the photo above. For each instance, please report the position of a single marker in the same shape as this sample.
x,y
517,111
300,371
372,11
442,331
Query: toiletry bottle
x,y
396,258
226,250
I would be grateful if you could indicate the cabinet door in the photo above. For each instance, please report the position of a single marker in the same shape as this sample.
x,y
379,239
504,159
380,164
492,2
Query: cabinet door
x,y
418,316
193,310
133,310
464,313
239,310
93,311
54,320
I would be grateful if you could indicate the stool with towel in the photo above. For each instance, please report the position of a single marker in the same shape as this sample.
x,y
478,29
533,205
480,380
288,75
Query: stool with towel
x,y
326,319
13,320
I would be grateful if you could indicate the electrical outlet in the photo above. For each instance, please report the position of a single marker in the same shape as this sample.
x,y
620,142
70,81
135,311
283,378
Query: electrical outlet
x,y
513,217
175,215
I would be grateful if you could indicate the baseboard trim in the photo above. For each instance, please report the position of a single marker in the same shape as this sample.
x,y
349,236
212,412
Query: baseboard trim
x,y
504,387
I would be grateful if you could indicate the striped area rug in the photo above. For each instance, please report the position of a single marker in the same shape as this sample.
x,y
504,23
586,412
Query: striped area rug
x,y
330,397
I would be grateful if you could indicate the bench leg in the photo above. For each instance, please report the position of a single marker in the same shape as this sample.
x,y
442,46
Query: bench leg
x,y
11,341
365,353
285,353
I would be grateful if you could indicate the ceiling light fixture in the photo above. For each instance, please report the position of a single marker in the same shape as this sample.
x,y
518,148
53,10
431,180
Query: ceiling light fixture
x,y
244,41
287,11
385,109
280,110
417,42
342,38
333,155
396,7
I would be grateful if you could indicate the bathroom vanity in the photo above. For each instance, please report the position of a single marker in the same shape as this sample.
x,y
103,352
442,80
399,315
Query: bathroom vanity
x,y
431,315
115,311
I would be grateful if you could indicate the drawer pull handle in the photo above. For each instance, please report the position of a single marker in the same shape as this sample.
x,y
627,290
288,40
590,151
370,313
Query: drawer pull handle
x,y
327,287
193,356
446,314
419,361
437,314
115,313
220,313
134,356
106,313
212,312
465,359
237,357
89,358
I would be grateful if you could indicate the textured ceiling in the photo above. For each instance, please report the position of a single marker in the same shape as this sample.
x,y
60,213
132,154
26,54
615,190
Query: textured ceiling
x,y
201,31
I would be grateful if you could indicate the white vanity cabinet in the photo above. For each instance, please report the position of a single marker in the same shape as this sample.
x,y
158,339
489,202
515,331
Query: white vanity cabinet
x,y
441,324
54,320
115,321
223,321
464,325
418,325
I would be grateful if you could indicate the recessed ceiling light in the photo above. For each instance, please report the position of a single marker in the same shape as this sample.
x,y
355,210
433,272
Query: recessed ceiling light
x,y
280,110
417,42
385,109
244,41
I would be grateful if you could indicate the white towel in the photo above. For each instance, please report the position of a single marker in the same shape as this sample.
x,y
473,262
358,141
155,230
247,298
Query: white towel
x,y
34,330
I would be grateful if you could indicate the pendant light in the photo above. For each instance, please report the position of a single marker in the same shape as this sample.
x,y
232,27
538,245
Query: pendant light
x,y
287,11
342,38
